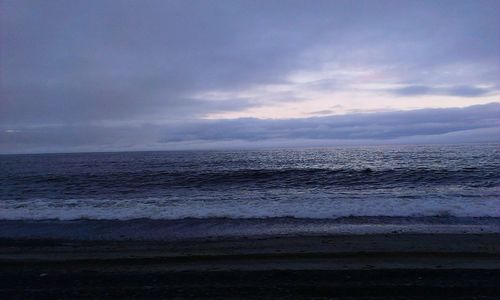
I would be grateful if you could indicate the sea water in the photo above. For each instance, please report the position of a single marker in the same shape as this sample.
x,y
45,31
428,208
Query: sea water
x,y
273,191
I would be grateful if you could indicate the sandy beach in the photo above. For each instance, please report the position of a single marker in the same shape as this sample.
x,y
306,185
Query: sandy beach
x,y
389,266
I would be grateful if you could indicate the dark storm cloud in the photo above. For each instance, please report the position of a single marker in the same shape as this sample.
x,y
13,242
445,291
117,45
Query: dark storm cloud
x,y
479,123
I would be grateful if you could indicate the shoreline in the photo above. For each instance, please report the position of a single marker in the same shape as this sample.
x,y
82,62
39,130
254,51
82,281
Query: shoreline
x,y
388,266
340,251
227,228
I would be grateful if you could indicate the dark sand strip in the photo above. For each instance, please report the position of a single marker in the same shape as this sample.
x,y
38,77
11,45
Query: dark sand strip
x,y
423,266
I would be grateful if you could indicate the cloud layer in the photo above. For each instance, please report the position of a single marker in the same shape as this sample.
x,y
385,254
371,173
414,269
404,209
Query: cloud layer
x,y
94,63
459,91
374,126
479,123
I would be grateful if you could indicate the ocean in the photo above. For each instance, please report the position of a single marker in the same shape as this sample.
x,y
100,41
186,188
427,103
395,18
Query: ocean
x,y
184,194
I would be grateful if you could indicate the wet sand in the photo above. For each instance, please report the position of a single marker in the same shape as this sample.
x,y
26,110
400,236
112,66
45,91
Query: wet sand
x,y
390,266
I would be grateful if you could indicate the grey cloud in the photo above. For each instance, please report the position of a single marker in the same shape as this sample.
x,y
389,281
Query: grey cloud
x,y
459,90
387,125
480,123
322,112
413,90
87,61
468,91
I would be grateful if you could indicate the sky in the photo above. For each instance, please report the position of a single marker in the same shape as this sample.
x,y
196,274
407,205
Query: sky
x,y
100,75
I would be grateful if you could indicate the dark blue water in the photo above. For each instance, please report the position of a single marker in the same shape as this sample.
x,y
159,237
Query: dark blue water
x,y
330,183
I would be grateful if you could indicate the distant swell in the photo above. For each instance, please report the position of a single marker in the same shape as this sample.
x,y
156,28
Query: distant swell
x,y
129,183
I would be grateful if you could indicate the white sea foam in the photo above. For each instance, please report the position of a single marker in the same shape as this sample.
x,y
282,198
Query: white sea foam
x,y
309,207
